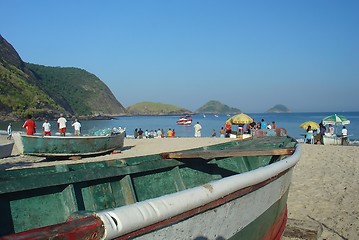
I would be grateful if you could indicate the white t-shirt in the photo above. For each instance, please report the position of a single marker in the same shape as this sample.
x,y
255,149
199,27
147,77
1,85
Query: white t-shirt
x,y
62,122
76,126
46,126
197,127
344,132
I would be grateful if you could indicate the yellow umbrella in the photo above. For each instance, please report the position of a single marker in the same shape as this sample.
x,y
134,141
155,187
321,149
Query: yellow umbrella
x,y
312,124
240,119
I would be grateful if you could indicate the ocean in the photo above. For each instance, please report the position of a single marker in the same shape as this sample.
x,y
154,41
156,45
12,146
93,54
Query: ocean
x,y
289,121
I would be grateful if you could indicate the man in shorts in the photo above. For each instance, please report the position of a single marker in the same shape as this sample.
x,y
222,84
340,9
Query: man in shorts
x,y
61,122
46,128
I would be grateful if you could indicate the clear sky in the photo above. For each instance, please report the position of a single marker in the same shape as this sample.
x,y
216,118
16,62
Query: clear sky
x,y
251,55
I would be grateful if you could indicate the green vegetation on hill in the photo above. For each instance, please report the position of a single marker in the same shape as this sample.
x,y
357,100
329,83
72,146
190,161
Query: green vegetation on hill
x,y
18,97
27,88
155,108
216,107
77,90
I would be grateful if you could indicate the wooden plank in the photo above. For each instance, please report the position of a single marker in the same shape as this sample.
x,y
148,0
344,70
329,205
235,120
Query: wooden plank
x,y
228,153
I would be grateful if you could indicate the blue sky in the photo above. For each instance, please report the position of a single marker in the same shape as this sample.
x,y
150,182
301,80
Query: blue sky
x,y
250,55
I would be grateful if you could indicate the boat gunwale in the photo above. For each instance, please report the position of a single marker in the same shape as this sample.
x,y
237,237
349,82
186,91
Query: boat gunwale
x,y
71,136
123,216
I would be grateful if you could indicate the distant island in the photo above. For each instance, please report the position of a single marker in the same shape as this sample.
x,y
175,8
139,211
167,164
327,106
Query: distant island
x,y
156,108
215,107
279,108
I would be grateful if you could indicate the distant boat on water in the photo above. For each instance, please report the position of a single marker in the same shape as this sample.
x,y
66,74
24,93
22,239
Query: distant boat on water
x,y
185,120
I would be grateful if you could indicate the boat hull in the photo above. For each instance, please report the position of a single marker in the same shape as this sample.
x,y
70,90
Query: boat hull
x,y
258,213
56,146
184,123
6,149
187,120
235,197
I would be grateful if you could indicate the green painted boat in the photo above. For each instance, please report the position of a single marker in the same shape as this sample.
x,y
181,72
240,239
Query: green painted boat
x,y
6,149
67,146
234,190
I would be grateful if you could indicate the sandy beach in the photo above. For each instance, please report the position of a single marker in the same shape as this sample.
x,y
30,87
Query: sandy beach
x,y
324,190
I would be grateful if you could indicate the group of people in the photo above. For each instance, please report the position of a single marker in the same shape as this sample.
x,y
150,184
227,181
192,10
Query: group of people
x,y
30,126
262,125
159,133
247,128
317,135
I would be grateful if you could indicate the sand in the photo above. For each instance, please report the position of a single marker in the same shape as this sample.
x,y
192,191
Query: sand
x,y
324,190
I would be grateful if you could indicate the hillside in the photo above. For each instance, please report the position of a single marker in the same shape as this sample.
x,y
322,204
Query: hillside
x,y
77,90
279,108
215,107
27,88
154,108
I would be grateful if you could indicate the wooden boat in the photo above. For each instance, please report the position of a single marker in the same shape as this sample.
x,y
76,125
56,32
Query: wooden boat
x,y
234,190
60,146
185,120
6,149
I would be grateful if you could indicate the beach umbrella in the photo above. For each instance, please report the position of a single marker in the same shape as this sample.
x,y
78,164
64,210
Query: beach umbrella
x,y
240,119
312,124
335,120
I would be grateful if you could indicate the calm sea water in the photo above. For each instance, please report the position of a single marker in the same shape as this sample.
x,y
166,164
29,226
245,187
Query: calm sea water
x,y
289,121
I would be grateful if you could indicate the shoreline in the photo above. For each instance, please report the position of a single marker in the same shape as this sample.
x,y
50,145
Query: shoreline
x,y
324,185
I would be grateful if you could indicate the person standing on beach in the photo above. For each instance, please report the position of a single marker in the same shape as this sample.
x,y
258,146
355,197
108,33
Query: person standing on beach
x,y
322,130
169,133
9,132
140,133
77,127
46,128
222,132
344,136
214,133
61,123
135,134
263,125
29,125
159,133
197,130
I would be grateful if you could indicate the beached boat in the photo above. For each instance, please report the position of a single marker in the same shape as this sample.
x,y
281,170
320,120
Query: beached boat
x,y
60,146
234,190
6,149
185,120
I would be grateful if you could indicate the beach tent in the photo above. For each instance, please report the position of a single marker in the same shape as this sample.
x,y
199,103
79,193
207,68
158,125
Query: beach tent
x,y
312,124
240,119
335,120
